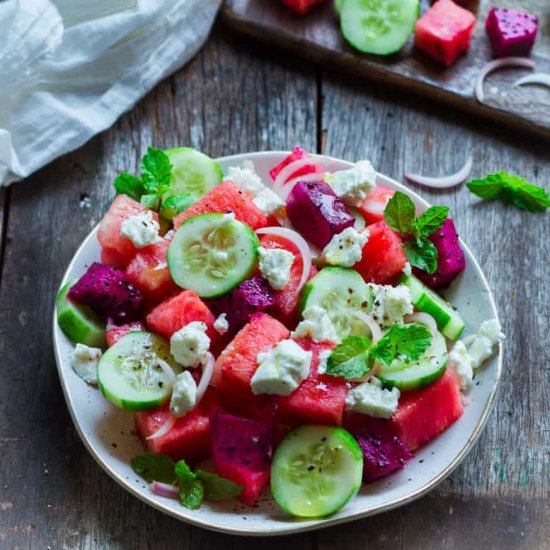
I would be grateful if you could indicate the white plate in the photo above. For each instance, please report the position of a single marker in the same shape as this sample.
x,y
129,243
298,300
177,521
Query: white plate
x,y
108,432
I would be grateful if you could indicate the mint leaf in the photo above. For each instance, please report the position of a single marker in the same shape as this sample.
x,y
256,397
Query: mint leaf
x,y
183,472
399,213
152,467
191,493
430,221
422,253
151,200
156,171
350,358
129,185
512,190
402,342
216,487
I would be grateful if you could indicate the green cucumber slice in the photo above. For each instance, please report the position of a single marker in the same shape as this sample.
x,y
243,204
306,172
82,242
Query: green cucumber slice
x,y
338,5
212,256
413,375
193,173
175,204
316,470
79,323
341,291
130,376
425,299
378,26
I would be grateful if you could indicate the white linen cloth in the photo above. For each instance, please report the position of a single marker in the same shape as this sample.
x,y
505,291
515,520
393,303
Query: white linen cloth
x,y
70,68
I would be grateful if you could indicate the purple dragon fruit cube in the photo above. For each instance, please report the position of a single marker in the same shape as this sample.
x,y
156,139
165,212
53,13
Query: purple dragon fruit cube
x,y
511,32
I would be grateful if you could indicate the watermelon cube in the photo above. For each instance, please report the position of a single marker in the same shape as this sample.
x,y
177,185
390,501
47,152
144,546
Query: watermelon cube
x,y
383,257
226,197
148,271
424,414
372,207
119,249
242,451
302,6
115,333
180,310
238,362
320,399
511,32
190,437
444,31
383,452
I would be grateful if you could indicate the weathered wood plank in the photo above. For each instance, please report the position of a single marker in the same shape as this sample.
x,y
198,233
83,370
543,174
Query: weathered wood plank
x,y
510,461
227,100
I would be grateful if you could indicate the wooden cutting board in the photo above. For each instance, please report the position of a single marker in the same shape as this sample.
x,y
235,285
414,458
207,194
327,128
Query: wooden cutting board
x,y
317,36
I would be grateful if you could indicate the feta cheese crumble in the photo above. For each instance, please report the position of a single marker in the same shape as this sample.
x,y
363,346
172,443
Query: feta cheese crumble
x,y
461,362
390,303
282,369
85,361
323,360
190,344
370,398
184,394
275,265
141,229
221,325
345,248
316,325
268,201
354,184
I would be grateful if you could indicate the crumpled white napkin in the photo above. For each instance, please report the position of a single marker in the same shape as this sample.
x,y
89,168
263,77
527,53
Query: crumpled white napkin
x,y
70,68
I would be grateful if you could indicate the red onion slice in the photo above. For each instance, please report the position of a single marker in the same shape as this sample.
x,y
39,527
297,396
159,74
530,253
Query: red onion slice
x,y
444,182
299,242
374,328
207,372
284,192
167,370
497,64
164,490
167,425
538,78
288,170
424,319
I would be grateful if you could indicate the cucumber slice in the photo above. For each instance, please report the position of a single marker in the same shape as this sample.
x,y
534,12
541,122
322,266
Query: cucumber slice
x,y
338,5
175,204
79,323
425,299
130,376
316,470
378,26
212,256
341,291
193,173
413,375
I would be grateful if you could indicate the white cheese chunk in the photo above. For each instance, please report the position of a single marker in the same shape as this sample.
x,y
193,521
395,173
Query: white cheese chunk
x,y
184,394
221,324
461,362
323,360
141,229
268,201
480,347
345,248
282,369
354,184
316,325
190,344
85,360
390,303
370,398
275,265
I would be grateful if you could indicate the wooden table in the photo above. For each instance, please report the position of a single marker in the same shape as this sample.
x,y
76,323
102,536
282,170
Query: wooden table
x,y
238,96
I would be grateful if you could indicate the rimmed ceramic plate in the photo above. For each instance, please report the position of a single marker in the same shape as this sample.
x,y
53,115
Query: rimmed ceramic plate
x,y
108,432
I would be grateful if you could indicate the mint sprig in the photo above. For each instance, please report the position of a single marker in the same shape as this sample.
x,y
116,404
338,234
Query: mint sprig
x,y
511,190
400,216
193,487
350,358
156,177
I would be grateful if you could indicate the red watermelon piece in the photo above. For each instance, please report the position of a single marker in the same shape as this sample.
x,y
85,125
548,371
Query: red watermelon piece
x,y
444,31
115,332
112,257
320,399
180,310
297,154
383,257
424,414
149,272
237,364
226,197
190,437
302,6
372,207
286,299
119,249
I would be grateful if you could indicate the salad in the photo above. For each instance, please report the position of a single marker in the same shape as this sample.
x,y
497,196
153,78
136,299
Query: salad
x,y
286,334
